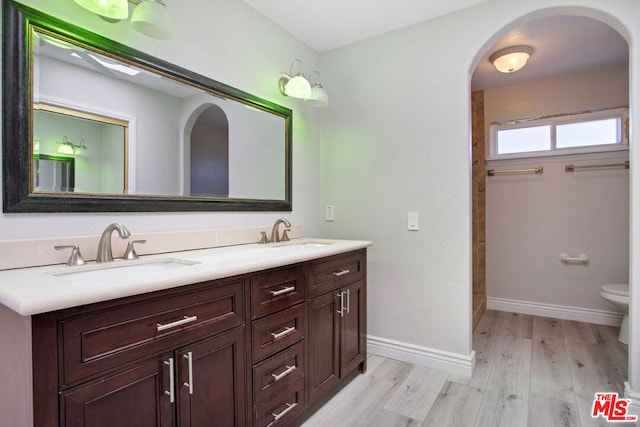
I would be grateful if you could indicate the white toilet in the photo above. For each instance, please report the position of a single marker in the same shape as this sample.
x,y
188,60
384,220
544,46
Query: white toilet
x,y
618,295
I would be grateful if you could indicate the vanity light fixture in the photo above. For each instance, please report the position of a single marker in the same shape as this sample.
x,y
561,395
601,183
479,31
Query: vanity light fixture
x,y
110,9
68,147
295,86
319,96
511,59
298,86
149,17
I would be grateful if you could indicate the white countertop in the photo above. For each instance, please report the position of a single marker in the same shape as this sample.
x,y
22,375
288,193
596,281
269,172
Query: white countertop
x,y
29,291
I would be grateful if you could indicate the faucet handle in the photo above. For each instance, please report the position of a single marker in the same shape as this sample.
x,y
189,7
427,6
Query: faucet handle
x,y
263,237
130,252
285,236
75,258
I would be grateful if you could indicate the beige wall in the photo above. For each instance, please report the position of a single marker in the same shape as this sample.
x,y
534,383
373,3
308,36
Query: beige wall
x,y
532,219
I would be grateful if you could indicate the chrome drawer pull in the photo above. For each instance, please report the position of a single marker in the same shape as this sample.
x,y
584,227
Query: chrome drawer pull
x,y
187,319
290,369
171,391
189,356
283,291
290,406
341,311
286,331
341,272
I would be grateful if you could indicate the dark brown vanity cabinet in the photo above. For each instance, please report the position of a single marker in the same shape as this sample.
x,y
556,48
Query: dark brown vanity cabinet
x,y
203,382
278,329
163,359
261,349
337,323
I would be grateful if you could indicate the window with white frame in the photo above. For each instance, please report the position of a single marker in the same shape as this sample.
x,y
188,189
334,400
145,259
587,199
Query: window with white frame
x,y
567,134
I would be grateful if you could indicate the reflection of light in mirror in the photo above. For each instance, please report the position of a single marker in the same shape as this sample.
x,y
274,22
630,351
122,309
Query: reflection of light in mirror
x,y
116,67
55,42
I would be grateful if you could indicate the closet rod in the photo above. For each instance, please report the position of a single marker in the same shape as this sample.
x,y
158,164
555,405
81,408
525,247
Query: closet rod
x,y
572,168
492,172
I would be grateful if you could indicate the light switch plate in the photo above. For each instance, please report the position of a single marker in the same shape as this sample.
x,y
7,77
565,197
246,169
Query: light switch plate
x,y
330,213
412,221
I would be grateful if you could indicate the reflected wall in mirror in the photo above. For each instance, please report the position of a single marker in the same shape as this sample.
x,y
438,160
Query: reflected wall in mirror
x,y
157,137
53,173
97,144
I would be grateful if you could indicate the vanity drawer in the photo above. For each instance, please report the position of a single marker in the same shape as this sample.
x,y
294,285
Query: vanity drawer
x,y
276,290
282,407
276,372
108,339
334,272
278,331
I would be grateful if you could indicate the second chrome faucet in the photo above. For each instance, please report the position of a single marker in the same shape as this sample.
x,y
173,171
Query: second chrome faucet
x,y
275,236
104,246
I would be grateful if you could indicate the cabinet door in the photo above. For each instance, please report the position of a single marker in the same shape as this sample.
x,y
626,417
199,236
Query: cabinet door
x,y
323,343
211,381
352,339
135,397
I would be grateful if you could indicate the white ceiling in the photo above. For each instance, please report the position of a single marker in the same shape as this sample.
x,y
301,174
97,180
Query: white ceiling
x,y
324,25
561,44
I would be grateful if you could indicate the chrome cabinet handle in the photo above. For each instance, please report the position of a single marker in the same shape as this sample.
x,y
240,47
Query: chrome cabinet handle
x,y
348,301
171,392
289,407
341,310
186,319
286,331
341,272
283,291
289,369
189,356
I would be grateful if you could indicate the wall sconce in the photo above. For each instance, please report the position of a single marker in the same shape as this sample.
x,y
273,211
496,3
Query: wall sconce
x,y
511,59
150,17
298,86
68,147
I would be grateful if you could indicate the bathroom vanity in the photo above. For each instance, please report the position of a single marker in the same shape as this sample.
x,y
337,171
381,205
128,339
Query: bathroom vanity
x,y
256,335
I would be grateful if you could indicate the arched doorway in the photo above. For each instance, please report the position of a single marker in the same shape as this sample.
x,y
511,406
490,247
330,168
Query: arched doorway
x,y
573,48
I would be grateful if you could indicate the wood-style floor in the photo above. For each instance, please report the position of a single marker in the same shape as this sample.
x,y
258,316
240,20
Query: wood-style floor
x,y
530,371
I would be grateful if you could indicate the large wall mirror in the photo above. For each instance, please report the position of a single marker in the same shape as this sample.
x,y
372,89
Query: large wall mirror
x,y
143,134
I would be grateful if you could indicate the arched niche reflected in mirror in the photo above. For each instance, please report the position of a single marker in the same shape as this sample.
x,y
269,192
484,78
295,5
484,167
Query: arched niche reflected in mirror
x,y
209,145
54,63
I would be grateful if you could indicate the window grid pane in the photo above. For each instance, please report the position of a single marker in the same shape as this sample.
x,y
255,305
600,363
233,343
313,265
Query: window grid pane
x,y
524,140
585,134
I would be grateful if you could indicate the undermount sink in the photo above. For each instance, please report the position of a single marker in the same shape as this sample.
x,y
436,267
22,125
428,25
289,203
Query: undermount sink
x,y
301,245
122,270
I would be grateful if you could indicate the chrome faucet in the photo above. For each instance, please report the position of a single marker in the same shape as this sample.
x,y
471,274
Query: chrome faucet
x,y
275,237
104,246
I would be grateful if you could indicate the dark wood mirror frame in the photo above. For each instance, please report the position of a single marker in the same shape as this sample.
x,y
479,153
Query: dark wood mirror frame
x,y
17,118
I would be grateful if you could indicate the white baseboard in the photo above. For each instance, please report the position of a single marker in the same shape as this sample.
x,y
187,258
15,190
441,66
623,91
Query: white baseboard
x,y
634,407
600,317
455,363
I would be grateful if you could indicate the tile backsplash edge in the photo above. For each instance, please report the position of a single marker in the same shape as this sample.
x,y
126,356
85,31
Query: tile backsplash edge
x,y
39,252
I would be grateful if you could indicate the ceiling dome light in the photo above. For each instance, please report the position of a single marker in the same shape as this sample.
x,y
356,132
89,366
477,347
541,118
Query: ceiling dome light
x,y
152,18
511,59
112,9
